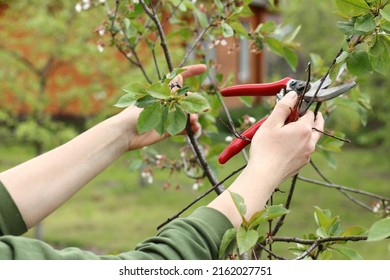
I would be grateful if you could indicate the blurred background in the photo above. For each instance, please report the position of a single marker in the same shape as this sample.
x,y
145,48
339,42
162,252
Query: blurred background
x,y
59,77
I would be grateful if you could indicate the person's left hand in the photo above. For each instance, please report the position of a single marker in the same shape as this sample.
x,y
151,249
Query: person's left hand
x,y
130,115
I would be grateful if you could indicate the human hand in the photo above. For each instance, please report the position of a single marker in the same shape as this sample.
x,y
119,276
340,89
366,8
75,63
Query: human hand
x,y
285,148
129,116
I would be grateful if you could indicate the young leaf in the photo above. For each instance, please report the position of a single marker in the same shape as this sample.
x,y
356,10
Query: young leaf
x,y
385,12
126,100
352,8
365,23
354,230
227,30
149,118
135,165
358,63
349,253
239,203
159,90
169,77
291,57
176,121
145,101
246,239
137,89
161,126
227,240
194,103
379,56
321,217
379,230
275,211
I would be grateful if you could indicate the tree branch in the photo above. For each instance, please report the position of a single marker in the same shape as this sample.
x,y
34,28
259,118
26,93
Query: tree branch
x,y
152,14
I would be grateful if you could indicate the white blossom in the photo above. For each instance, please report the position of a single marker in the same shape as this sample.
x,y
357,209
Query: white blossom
x,y
195,186
100,48
78,7
228,138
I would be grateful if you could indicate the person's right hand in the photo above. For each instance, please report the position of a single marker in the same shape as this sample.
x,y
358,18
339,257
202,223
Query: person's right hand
x,y
285,148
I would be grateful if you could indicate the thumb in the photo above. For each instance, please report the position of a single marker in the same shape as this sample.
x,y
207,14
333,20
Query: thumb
x,y
282,109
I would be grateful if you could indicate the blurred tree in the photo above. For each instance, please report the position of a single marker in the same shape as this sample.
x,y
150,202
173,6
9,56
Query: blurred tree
x,y
318,28
53,69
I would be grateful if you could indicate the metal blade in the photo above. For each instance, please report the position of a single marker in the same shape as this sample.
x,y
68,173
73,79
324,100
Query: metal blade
x,y
328,80
329,93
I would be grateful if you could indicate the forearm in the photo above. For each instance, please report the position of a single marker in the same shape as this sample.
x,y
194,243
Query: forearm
x,y
255,184
41,185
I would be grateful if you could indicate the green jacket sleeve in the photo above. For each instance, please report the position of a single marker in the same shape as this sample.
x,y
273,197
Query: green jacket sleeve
x,y
11,221
195,237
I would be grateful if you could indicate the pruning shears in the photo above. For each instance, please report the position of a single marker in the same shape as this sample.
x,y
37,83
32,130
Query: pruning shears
x,y
307,94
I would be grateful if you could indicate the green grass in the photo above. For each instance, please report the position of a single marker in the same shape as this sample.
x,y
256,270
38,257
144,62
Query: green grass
x,y
113,212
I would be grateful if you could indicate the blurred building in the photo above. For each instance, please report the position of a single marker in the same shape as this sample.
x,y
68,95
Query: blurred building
x,y
233,56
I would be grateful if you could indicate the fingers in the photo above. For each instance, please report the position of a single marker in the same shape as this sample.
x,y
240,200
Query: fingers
x,y
282,110
193,70
190,71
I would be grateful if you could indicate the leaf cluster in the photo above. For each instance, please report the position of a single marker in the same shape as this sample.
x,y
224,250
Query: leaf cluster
x,y
367,30
237,242
164,109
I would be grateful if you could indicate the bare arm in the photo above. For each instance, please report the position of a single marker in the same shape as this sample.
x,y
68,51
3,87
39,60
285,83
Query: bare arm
x,y
277,152
42,184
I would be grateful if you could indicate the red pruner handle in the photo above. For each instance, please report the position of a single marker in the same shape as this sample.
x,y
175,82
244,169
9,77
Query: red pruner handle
x,y
265,89
238,144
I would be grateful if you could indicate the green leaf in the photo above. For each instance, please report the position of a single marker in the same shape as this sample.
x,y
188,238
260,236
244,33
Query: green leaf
x,y
176,121
348,28
275,211
202,18
145,101
159,90
126,100
379,55
275,45
246,239
358,63
138,89
365,23
161,126
379,230
334,227
227,30
194,103
227,241
239,203
349,253
354,231
239,28
170,76
149,118
385,12
321,232
322,217
135,165
269,213
291,57
352,8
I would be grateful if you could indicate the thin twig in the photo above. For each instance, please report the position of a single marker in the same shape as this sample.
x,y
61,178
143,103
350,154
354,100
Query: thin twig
x,y
332,136
344,188
197,40
152,14
287,206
